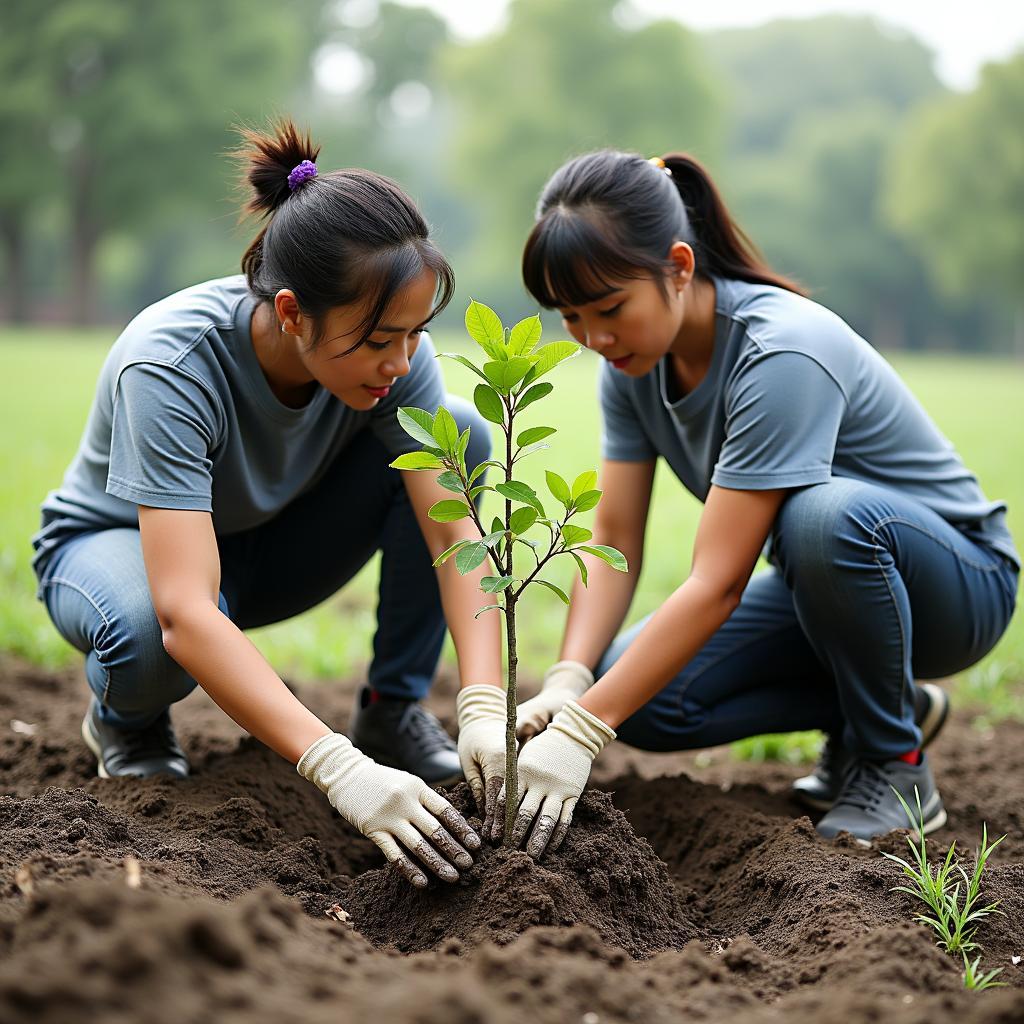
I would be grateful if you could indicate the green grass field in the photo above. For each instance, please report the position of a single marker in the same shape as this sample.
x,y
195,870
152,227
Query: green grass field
x,y
47,380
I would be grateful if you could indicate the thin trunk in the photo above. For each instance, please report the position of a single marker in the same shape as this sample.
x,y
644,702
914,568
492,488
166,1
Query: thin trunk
x,y
16,260
511,768
84,236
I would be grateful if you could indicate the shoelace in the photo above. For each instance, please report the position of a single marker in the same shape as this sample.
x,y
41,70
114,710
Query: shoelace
x,y
865,786
423,728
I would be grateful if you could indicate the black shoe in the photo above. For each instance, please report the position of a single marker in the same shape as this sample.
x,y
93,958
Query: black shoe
x,y
150,751
404,734
820,789
867,806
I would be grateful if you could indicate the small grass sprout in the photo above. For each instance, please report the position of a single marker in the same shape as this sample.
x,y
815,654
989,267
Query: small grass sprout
x,y
977,980
939,886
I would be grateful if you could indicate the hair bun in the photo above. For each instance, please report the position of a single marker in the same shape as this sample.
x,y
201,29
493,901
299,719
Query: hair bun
x,y
267,162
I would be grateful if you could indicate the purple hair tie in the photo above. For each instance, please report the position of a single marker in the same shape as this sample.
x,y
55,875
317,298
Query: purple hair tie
x,y
299,173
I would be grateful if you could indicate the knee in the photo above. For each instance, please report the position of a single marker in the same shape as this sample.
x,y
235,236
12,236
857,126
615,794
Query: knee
x,y
820,526
139,675
466,415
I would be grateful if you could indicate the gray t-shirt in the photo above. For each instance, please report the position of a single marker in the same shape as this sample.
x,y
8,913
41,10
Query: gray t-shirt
x,y
793,397
184,418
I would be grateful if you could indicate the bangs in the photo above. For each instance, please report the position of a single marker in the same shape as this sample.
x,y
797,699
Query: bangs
x,y
392,270
573,258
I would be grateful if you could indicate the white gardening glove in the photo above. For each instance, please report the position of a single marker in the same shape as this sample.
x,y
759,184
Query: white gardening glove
x,y
481,711
564,681
553,769
391,807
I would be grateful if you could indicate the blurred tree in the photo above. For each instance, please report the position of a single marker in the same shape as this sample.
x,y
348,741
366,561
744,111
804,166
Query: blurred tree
x,y
958,189
779,72
560,79
137,99
27,174
817,105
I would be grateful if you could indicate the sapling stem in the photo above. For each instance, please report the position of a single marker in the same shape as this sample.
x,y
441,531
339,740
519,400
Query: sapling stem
x,y
510,376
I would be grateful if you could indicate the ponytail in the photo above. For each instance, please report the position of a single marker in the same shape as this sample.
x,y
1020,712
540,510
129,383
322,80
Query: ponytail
x,y
723,248
609,216
340,238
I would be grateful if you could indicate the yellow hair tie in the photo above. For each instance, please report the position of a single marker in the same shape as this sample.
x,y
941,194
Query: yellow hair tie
x,y
658,162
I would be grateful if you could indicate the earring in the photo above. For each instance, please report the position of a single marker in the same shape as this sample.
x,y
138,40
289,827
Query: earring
x,y
283,331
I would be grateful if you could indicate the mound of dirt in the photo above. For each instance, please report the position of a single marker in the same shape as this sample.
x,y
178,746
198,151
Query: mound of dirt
x,y
604,876
691,889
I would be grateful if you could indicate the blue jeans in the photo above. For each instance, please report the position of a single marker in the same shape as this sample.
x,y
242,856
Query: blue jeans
x,y
95,588
869,590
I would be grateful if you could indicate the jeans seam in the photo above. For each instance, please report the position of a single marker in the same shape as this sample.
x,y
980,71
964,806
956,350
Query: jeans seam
x,y
96,608
886,520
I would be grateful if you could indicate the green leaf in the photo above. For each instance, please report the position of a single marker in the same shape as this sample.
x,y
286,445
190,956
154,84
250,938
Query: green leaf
x,y
518,491
529,450
587,500
505,375
549,356
461,448
534,434
450,482
533,394
495,584
497,526
575,534
471,556
584,482
417,423
558,488
446,554
475,492
522,519
581,565
525,336
417,460
446,431
489,404
487,608
465,362
492,539
485,329
483,467
561,593
615,558
448,511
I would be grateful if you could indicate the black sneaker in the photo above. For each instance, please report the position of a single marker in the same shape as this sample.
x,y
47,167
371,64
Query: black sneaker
x,y
820,789
867,806
404,734
141,752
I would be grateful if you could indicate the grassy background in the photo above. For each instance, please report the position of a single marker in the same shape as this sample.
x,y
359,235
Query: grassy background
x,y
47,380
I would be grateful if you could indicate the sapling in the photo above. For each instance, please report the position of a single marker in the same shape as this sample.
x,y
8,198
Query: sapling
x,y
509,384
978,980
937,886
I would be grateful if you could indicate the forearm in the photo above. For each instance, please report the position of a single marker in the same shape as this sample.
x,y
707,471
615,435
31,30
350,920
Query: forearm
x,y
597,611
675,633
232,671
477,641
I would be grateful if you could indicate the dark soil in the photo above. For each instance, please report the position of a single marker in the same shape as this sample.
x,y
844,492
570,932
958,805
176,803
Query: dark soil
x,y
206,900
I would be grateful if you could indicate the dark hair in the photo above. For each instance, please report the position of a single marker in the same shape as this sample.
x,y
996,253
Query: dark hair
x,y
610,216
339,238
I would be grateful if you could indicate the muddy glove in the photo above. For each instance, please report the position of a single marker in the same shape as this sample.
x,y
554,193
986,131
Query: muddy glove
x,y
481,711
553,769
391,807
564,681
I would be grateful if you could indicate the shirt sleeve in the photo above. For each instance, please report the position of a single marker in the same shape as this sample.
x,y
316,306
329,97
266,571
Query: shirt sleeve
x,y
422,388
623,438
163,430
783,413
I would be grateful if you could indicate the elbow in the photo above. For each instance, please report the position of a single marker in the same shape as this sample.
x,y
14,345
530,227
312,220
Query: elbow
x,y
178,624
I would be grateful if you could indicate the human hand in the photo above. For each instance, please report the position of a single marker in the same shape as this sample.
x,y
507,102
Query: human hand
x,y
553,769
391,807
481,712
564,681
